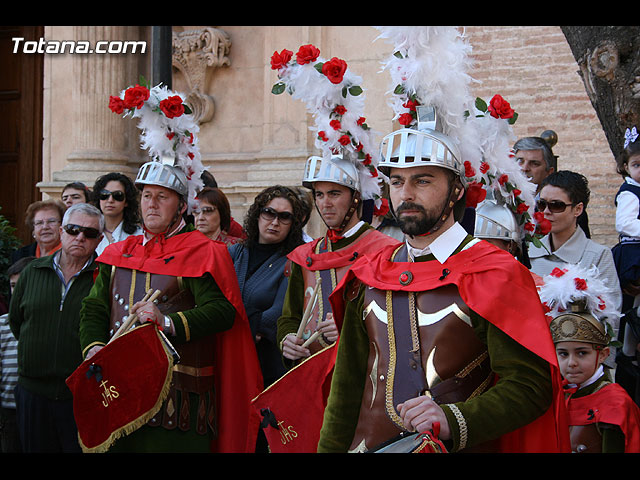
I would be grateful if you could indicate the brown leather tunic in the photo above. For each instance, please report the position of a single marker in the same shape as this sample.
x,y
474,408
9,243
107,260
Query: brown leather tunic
x,y
194,372
420,343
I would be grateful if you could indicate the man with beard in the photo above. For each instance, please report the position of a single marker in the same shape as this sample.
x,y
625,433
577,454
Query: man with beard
x,y
442,333
335,184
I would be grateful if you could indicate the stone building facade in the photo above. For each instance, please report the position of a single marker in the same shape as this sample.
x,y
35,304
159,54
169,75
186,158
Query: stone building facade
x,y
250,138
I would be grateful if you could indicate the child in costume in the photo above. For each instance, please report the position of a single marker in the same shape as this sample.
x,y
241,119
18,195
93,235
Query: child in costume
x,y
602,416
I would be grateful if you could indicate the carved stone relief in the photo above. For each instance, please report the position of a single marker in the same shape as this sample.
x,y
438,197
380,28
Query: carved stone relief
x,y
193,52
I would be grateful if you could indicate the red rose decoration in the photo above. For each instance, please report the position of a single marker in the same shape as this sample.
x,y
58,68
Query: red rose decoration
x,y
383,210
557,272
411,105
116,104
529,227
500,108
280,60
484,167
475,194
503,179
335,124
307,54
134,97
323,136
334,70
361,121
469,171
344,140
521,208
405,119
580,283
172,106
340,110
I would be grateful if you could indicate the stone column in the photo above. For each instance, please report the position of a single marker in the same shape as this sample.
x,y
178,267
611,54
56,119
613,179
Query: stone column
x,y
102,140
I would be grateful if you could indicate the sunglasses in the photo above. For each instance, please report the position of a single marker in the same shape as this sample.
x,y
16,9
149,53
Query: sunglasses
x,y
204,210
118,195
270,214
75,230
555,206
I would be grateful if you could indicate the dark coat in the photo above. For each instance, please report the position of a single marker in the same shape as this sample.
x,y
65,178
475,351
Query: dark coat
x,y
263,296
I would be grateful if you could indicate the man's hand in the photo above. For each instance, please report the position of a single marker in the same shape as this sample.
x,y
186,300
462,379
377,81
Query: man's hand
x,y
93,350
420,413
328,328
148,312
292,347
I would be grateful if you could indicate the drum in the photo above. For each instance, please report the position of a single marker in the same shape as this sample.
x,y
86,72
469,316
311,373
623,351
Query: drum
x,y
121,387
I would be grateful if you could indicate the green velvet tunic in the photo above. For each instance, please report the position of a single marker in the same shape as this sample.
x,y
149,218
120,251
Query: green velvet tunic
x,y
523,392
213,313
293,306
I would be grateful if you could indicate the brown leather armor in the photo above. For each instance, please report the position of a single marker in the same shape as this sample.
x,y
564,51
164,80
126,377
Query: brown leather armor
x,y
328,279
420,343
585,439
194,372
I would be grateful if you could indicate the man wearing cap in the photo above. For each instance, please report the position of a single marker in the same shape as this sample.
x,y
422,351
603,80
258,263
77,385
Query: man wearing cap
x,y
441,333
44,316
199,311
335,184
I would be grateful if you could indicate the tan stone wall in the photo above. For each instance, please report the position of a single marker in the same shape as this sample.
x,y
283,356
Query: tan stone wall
x,y
256,139
533,68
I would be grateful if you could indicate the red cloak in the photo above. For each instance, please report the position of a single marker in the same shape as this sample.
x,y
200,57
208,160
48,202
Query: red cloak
x,y
238,374
370,241
611,404
475,271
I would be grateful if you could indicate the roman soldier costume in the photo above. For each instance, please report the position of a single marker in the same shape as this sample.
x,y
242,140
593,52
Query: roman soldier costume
x,y
460,322
216,373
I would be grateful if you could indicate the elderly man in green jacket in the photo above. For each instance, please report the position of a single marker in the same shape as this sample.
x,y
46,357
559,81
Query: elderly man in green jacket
x,y
44,316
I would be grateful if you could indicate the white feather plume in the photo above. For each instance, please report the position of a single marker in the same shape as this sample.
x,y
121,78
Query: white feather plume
x,y
321,97
569,283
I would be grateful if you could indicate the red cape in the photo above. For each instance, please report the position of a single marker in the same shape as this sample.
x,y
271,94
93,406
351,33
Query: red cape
x,y
238,374
475,271
611,404
370,241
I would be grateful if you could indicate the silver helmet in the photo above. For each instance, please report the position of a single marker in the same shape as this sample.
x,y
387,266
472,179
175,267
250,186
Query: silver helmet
x,y
495,220
426,145
163,174
337,169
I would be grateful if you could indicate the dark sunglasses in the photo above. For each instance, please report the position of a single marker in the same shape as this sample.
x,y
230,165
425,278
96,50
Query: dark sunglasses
x,y
555,206
118,195
75,230
270,214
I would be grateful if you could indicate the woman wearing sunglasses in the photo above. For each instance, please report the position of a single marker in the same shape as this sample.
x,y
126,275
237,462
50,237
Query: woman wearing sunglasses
x,y
212,216
563,197
274,228
117,198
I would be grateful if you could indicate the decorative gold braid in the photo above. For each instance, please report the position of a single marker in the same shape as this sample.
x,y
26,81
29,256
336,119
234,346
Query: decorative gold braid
x,y
147,282
187,332
474,363
413,324
334,283
132,289
391,411
462,426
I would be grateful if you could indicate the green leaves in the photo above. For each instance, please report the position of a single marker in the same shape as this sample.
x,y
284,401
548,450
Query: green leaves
x,y
278,88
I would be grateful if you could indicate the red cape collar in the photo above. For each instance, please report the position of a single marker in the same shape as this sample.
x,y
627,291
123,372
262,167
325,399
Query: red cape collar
x,y
476,270
369,241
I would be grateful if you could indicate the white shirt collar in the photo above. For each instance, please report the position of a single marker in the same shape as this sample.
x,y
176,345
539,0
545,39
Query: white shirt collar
x,y
631,181
443,246
353,229
598,373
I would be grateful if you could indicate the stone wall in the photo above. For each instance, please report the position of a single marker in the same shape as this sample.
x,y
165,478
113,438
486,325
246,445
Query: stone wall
x,y
255,139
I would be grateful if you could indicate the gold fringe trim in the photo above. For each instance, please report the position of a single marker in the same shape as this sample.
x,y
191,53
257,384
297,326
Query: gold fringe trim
x,y
140,421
